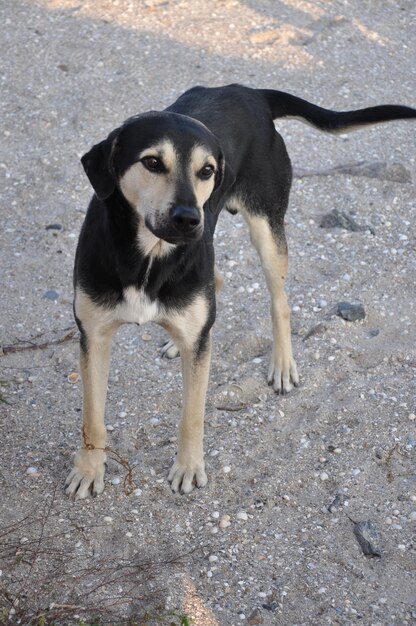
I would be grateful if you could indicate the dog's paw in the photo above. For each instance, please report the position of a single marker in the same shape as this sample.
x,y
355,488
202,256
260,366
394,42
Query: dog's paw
x,y
169,350
184,477
87,475
283,377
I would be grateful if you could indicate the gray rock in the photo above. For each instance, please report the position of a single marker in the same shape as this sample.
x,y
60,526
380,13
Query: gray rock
x,y
51,294
340,219
367,537
350,312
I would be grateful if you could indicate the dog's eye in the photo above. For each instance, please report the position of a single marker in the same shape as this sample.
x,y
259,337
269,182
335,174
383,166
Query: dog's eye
x,y
153,164
206,172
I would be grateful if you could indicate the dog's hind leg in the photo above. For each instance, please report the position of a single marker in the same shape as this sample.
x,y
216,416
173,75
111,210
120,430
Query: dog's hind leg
x,y
272,250
87,476
191,332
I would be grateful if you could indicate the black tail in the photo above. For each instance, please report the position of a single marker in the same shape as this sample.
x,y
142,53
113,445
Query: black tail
x,y
285,105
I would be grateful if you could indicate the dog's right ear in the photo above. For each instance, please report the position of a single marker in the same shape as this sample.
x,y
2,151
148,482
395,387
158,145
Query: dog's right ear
x,y
99,168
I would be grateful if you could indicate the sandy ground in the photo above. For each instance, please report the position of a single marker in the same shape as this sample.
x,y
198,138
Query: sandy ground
x,y
270,540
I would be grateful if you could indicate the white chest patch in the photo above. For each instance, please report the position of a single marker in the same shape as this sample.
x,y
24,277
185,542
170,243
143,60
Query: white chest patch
x,y
137,308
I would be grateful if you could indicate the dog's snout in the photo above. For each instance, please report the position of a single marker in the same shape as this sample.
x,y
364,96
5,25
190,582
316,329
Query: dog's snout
x,y
185,219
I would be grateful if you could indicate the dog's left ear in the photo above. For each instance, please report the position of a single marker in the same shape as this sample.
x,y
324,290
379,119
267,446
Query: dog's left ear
x,y
224,176
98,167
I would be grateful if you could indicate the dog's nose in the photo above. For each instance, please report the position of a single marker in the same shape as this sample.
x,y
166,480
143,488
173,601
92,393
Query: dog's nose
x,y
184,218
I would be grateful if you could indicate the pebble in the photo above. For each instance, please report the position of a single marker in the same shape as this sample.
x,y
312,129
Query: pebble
x,y
73,378
212,558
412,516
323,476
129,534
225,521
215,514
51,294
255,618
108,520
137,492
367,537
401,547
355,472
350,312
214,453
122,414
412,416
226,469
32,470
110,428
146,336
242,515
116,480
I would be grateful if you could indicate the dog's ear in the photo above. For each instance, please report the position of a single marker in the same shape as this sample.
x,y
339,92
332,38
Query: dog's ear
x,y
98,167
224,180
224,176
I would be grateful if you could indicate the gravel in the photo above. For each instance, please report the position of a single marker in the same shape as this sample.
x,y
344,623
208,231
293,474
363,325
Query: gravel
x,y
283,471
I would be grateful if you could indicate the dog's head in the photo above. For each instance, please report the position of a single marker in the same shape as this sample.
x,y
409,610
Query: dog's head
x,y
166,166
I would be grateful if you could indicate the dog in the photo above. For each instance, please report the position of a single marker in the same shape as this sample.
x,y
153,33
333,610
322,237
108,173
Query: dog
x,y
145,251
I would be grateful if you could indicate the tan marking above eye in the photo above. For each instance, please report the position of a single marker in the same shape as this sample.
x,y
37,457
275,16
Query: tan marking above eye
x,y
163,150
200,158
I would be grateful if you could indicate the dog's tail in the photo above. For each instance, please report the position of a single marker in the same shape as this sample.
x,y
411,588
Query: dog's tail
x,y
285,105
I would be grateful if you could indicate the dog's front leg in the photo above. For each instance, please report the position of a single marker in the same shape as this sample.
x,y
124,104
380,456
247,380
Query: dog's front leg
x,y
189,467
191,331
87,476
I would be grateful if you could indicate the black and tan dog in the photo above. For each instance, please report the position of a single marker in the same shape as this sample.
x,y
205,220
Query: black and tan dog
x,y
146,253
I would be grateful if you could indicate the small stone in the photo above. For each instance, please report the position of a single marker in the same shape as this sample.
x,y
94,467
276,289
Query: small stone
x,y
412,516
323,476
341,219
137,492
54,227
110,428
129,534
116,480
255,618
32,470
215,514
242,515
350,312
412,416
355,472
225,521
214,453
226,469
51,294
73,378
367,537
122,414
108,520
263,37
401,547
146,336
212,558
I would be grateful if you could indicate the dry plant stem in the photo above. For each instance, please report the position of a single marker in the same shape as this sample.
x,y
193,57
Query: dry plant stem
x,y
17,347
128,482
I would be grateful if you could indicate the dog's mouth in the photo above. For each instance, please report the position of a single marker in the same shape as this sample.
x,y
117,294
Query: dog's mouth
x,y
175,236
